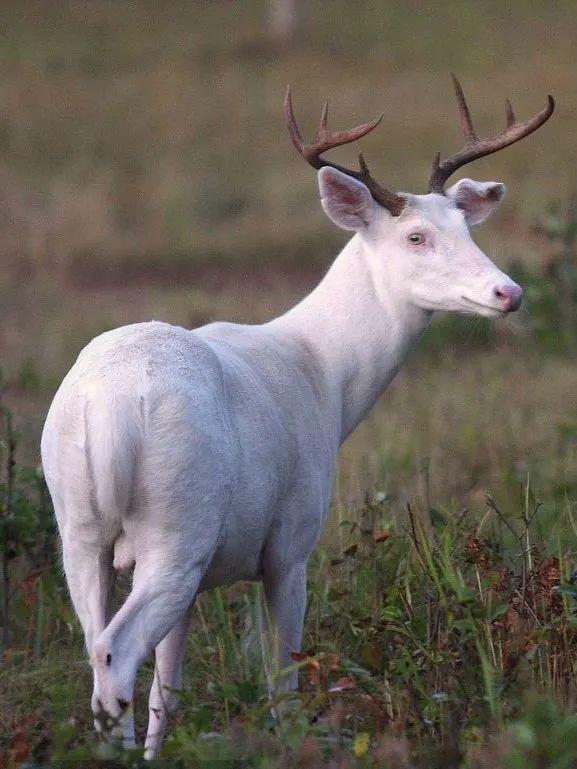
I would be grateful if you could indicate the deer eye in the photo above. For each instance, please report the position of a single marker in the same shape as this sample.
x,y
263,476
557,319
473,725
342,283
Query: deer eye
x,y
416,238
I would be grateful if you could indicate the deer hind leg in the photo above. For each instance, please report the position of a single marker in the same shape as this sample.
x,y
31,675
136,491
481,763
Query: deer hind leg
x,y
90,577
166,577
167,677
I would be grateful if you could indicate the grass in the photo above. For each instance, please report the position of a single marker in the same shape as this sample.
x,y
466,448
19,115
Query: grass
x,y
441,622
435,636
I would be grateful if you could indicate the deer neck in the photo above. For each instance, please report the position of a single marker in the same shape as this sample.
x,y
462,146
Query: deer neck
x,y
358,336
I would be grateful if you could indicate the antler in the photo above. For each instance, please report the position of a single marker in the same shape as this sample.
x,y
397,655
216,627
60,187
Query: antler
x,y
326,140
476,148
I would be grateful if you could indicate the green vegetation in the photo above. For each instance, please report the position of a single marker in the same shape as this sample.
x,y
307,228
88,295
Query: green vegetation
x,y
442,621
437,636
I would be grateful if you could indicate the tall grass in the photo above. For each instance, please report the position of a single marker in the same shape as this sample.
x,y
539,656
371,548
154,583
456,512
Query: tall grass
x,y
433,635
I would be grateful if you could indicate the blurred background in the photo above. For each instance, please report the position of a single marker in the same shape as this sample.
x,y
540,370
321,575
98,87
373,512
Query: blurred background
x,y
146,172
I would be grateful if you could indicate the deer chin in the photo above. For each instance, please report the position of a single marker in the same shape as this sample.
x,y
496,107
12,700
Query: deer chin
x,y
473,307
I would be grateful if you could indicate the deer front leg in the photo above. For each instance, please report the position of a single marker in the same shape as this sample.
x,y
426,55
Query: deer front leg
x,y
282,618
167,677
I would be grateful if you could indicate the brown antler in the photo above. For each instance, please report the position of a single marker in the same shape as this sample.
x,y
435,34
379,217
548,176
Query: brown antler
x,y
326,140
476,148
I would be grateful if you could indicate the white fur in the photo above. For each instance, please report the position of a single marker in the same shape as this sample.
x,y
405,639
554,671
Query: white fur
x,y
208,456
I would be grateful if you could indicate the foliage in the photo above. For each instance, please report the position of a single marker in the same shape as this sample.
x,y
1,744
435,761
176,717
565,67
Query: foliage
x,y
551,295
27,529
434,639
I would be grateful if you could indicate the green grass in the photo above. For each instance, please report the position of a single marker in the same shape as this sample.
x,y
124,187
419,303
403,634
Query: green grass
x,y
451,637
456,634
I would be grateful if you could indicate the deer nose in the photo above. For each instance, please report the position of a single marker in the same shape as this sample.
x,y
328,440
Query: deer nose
x,y
509,297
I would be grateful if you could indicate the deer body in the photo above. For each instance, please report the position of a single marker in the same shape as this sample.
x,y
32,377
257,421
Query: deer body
x,y
208,456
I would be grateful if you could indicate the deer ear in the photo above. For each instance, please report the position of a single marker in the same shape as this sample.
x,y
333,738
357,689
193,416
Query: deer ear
x,y
347,202
477,200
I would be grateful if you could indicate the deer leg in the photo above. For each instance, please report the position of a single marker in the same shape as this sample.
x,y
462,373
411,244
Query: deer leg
x,y
167,677
89,574
282,618
164,584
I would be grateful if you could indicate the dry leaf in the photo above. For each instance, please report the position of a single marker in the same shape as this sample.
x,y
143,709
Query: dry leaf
x,y
343,684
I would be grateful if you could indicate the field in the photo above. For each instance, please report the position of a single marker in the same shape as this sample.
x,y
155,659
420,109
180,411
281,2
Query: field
x,y
146,173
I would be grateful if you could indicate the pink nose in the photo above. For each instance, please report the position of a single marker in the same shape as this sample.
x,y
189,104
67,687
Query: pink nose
x,y
509,297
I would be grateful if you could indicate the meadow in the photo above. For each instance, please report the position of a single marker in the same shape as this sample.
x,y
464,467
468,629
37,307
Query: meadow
x,y
146,173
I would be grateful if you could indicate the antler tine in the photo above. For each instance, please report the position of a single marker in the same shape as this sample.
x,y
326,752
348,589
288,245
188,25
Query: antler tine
x,y
464,114
323,120
509,114
327,140
476,148
291,121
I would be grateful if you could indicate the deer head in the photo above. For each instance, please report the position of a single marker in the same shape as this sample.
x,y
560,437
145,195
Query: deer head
x,y
418,247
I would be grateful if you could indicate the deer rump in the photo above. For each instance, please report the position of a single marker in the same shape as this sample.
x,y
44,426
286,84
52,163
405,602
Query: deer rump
x,y
192,434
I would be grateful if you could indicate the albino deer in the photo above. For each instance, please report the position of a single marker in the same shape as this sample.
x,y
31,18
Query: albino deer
x,y
208,456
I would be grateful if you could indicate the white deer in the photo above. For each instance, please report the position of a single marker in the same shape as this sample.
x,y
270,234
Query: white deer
x,y
208,456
